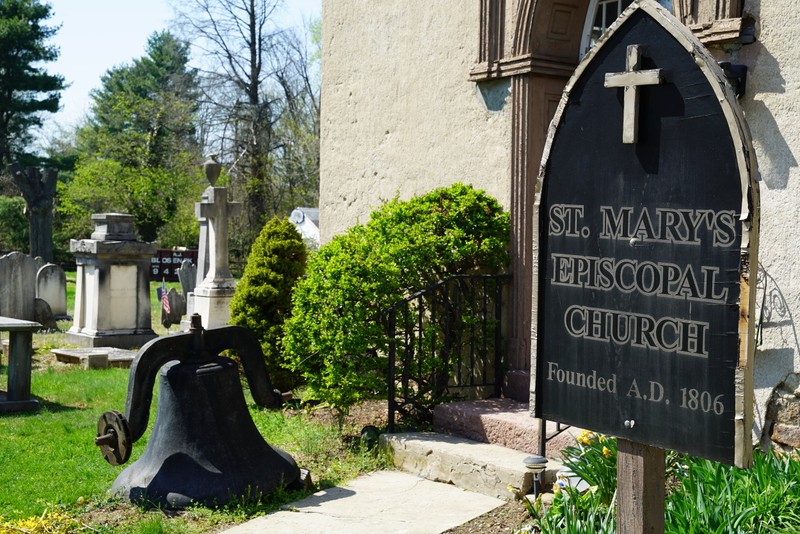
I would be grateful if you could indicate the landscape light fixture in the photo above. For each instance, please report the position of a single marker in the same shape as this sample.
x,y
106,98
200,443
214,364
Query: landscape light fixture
x,y
537,465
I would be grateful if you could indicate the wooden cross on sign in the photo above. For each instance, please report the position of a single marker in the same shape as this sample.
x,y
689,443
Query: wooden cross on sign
x,y
630,80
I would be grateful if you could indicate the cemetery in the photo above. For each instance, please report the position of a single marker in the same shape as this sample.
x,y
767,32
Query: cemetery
x,y
548,287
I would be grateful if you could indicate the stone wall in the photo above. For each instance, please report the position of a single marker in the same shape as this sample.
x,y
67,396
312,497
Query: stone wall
x,y
399,115
783,415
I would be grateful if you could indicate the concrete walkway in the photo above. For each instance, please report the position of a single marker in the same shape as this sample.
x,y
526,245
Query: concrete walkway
x,y
384,501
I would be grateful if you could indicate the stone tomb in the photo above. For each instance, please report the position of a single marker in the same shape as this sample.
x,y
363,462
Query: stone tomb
x,y
96,358
19,297
112,297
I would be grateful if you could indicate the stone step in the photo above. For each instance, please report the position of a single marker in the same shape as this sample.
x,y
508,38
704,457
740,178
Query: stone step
x,y
503,422
484,468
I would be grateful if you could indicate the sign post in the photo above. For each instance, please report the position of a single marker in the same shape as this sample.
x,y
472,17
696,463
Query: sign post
x,y
648,225
640,487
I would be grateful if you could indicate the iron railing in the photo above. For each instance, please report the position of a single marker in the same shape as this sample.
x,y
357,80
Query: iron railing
x,y
445,343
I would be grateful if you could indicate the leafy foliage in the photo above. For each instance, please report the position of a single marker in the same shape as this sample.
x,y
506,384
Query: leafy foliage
x,y
263,298
138,153
594,459
334,338
14,230
26,89
702,496
573,512
713,497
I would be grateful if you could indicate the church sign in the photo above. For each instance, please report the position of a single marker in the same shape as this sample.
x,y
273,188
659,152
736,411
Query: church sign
x,y
647,219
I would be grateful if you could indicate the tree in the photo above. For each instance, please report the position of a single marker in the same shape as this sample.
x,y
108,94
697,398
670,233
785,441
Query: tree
x,y
26,89
14,230
139,152
263,298
261,107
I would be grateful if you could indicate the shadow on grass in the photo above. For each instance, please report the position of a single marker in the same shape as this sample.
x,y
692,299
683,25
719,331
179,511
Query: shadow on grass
x,y
44,405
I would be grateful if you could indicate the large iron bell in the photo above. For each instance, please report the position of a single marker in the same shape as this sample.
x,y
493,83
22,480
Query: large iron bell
x,y
204,446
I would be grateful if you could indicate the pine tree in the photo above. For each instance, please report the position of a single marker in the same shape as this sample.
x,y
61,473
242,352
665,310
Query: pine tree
x,y
263,298
26,89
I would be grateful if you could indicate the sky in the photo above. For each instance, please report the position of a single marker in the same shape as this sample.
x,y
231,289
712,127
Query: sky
x,y
97,35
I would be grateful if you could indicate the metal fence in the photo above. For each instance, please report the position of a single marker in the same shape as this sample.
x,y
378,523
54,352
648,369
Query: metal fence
x,y
445,343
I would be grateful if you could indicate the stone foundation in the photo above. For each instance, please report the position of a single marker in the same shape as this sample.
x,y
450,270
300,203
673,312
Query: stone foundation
x,y
782,426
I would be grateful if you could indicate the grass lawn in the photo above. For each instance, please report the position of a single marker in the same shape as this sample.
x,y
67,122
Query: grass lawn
x,y
49,464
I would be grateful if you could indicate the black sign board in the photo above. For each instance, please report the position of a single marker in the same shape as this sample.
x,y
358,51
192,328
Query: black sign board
x,y
647,232
166,262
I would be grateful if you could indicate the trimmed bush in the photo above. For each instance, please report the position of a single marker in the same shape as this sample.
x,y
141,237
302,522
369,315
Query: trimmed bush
x,y
334,338
263,298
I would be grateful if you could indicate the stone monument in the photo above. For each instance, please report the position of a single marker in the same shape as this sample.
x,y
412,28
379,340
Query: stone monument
x,y
212,296
112,294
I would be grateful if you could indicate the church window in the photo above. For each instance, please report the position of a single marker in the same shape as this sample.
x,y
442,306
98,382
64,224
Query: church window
x,y
601,14
714,22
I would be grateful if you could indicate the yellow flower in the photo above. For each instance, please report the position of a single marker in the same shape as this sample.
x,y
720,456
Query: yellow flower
x,y
584,437
607,452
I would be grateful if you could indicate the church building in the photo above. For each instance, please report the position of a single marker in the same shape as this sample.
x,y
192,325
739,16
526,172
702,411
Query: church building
x,y
420,94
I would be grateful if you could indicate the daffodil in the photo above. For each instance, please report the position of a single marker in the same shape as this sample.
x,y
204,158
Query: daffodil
x,y
607,452
585,437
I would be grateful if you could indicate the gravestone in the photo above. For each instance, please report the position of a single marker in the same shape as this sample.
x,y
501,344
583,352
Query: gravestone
x,y
43,315
112,293
51,286
38,189
17,286
187,275
211,298
175,306
648,225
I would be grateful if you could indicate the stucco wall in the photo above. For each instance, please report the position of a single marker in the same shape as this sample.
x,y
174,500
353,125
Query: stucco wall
x,y
399,115
771,105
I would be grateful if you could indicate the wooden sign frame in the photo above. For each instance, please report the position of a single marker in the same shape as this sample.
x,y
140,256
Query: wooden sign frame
x,y
550,400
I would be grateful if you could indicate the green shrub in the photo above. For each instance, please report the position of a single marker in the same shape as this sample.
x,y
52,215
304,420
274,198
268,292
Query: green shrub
x,y
263,298
334,338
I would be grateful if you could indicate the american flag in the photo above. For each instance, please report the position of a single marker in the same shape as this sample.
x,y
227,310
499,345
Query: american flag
x,y
164,298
